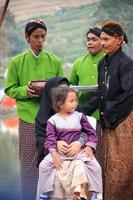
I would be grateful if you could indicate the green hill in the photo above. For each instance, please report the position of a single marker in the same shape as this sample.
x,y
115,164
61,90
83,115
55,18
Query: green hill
x,y
24,9
67,22
66,29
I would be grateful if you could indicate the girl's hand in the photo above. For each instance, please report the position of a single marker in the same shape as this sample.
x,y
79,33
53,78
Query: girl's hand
x,y
74,148
62,147
88,151
57,160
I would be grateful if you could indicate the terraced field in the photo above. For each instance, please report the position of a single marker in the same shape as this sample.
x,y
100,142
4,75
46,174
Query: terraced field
x,y
67,22
23,9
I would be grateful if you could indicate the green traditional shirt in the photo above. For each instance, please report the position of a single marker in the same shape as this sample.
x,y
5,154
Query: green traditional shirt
x,y
84,73
24,68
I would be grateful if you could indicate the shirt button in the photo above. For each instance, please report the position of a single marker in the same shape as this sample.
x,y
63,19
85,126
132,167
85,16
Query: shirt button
x,y
92,76
101,97
103,82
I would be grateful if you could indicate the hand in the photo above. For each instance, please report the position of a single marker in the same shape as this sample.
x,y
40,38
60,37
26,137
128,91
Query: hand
x,y
62,147
31,92
74,148
57,160
88,151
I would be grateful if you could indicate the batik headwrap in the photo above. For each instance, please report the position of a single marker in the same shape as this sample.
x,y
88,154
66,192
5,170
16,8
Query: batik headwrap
x,y
33,25
113,30
95,30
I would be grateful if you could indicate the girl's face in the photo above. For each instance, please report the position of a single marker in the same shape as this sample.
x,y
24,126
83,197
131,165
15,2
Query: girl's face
x,y
70,103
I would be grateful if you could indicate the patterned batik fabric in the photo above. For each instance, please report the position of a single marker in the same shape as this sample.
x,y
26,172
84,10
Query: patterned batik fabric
x,y
28,160
98,148
117,159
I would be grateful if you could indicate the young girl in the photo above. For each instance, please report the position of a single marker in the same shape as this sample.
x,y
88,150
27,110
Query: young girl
x,y
66,125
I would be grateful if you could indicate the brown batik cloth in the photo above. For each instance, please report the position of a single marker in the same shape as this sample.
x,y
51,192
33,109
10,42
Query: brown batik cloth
x,y
28,160
98,149
117,152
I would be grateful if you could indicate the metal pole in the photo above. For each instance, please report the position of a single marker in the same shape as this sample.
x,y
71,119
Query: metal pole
x,y
91,88
4,11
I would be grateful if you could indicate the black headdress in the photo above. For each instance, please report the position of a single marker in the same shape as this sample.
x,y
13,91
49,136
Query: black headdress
x,y
33,25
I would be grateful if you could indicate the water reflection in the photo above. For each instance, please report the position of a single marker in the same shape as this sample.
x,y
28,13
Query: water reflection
x,y
9,152
9,159
9,167
9,125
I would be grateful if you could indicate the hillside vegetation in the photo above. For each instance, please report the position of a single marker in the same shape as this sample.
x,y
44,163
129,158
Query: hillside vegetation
x,y
66,27
67,22
24,9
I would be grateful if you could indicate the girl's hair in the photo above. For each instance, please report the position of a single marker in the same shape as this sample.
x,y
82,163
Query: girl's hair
x,y
59,95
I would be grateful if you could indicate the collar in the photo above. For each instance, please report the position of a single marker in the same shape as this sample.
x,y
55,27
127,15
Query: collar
x,y
114,54
36,56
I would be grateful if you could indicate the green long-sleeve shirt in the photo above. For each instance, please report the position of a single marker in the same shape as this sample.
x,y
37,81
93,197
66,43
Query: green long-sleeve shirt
x,y
24,68
84,72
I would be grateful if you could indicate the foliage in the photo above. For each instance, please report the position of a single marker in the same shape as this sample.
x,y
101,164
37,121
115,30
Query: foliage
x,y
122,11
10,40
67,29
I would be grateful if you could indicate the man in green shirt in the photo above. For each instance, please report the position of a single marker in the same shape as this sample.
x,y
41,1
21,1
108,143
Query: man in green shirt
x,y
84,70
33,64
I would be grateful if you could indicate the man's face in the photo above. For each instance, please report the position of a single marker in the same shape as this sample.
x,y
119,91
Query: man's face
x,y
110,44
36,40
93,44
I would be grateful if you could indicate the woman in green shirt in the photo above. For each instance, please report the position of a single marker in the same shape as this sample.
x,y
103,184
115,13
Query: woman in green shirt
x,y
33,64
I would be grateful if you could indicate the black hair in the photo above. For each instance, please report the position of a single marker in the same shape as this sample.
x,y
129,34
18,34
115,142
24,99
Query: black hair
x,y
33,25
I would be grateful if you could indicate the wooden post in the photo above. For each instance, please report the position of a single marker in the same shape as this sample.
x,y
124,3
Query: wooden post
x,y
4,11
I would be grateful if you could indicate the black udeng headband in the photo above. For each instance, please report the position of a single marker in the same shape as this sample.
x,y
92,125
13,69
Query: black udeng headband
x,y
95,30
32,26
112,31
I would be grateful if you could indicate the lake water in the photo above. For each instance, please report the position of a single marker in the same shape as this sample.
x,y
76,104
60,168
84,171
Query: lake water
x,y
9,167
